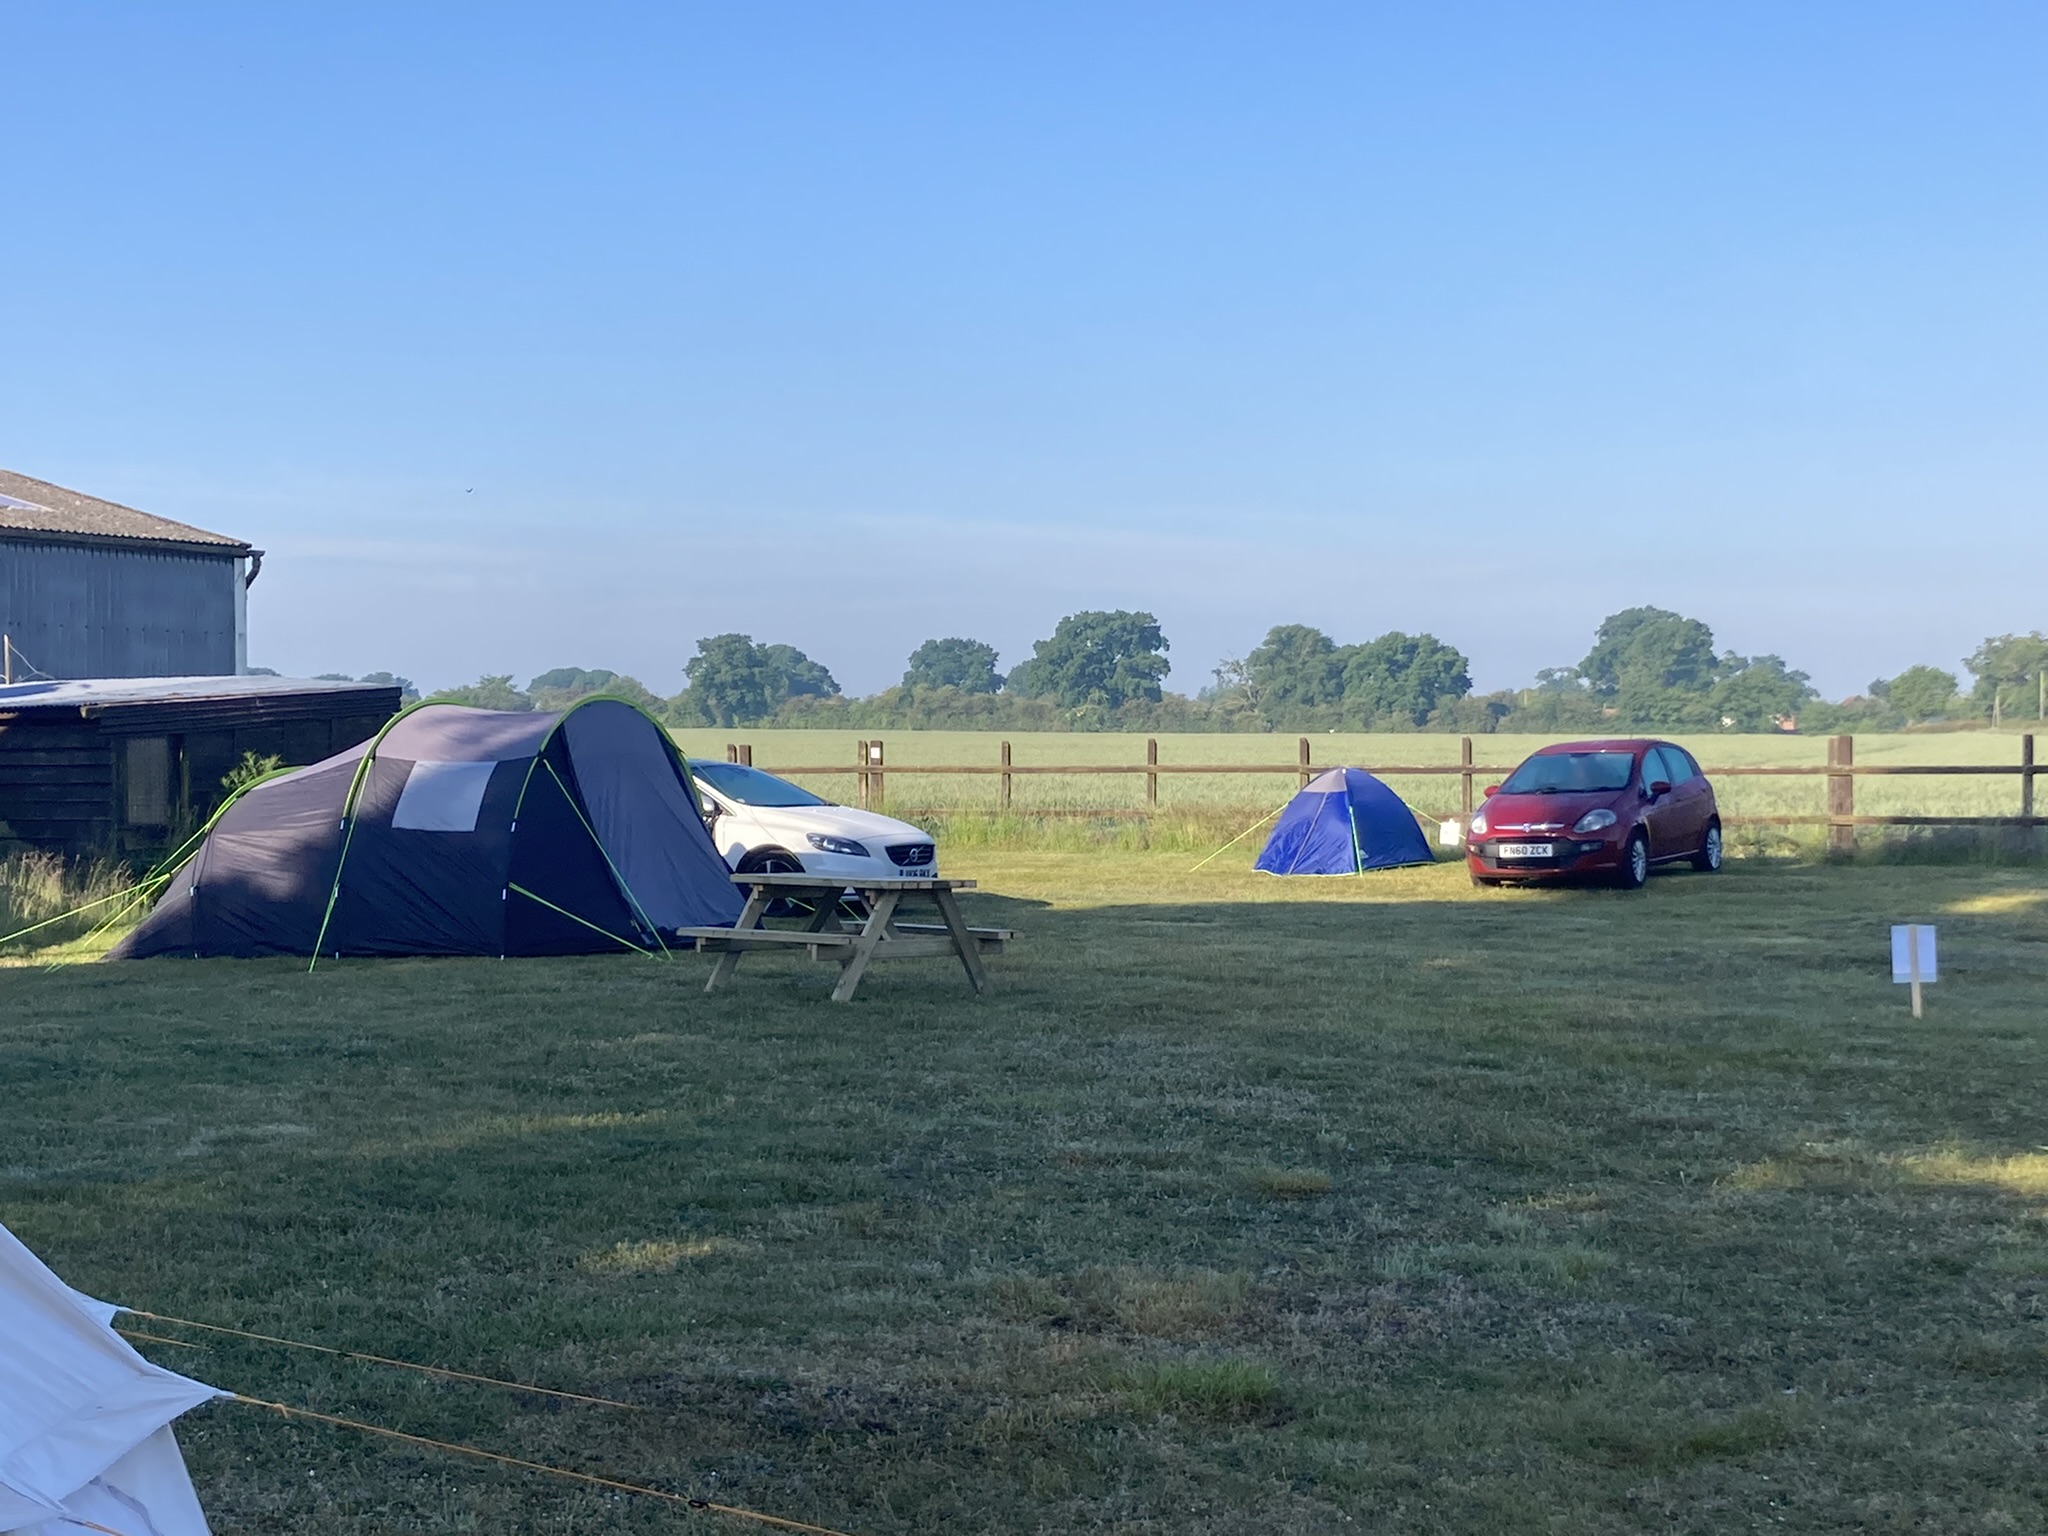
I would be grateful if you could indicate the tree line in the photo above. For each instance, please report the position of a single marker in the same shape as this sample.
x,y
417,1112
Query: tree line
x,y
1647,669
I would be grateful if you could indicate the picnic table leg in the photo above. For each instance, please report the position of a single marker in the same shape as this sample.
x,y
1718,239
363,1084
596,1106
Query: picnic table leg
x,y
855,965
963,941
824,915
750,917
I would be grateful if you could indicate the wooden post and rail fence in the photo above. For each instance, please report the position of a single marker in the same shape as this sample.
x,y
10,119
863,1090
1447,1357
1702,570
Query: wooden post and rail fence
x,y
1841,771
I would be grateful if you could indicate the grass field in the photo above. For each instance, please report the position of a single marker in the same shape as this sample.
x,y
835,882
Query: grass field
x,y
1242,793
1245,1205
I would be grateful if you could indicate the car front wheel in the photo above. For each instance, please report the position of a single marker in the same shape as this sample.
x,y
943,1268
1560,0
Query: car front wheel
x,y
1635,864
1708,859
776,861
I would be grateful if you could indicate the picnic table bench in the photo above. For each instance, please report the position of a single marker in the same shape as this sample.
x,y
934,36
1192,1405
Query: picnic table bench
x,y
853,946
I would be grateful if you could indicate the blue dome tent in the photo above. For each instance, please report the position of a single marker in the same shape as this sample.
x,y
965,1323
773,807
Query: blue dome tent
x,y
1344,823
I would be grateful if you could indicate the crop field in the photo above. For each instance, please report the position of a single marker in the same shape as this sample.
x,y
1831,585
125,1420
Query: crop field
x,y
1212,801
1244,1205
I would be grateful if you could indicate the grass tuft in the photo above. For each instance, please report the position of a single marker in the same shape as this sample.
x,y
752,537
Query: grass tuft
x,y
36,887
1646,1443
1290,1183
1183,1306
655,1256
1228,1389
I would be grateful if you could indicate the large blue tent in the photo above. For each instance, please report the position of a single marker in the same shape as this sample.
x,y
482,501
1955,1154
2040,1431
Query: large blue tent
x,y
457,831
1344,823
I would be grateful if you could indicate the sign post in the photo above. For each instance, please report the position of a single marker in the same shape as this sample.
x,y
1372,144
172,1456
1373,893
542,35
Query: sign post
x,y
1913,958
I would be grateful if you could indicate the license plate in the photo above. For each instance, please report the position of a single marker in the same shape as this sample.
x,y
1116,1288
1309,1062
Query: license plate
x,y
1524,850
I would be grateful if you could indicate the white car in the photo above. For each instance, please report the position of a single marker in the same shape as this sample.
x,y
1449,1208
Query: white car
x,y
766,825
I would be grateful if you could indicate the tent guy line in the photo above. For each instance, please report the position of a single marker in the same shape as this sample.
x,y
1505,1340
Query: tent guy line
x,y
702,1506
358,1354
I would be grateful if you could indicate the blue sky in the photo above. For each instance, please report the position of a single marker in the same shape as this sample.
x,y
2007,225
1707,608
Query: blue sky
x,y
529,336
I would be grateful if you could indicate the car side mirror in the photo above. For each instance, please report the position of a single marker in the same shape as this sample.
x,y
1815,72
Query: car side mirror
x,y
1490,791
1660,788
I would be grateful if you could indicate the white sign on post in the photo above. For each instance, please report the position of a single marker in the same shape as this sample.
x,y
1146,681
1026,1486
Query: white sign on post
x,y
1913,958
1449,834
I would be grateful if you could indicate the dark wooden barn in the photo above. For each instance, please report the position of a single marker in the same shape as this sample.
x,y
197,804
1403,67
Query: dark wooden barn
x,y
90,588
124,767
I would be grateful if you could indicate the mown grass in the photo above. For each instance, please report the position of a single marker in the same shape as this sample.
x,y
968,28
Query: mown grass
x,y
1653,1212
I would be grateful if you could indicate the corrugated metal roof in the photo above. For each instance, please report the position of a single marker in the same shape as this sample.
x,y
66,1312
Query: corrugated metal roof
x,y
90,693
156,706
30,506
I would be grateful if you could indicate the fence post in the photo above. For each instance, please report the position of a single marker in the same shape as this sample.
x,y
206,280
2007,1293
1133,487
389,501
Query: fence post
x,y
1006,777
732,753
747,754
1465,758
1841,795
1305,774
2027,775
1152,761
860,771
875,773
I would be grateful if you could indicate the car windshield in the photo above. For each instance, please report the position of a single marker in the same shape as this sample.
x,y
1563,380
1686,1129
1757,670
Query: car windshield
x,y
1559,773
750,786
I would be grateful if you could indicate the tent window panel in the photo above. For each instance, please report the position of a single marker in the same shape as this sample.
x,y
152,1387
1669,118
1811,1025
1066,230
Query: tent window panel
x,y
148,779
442,797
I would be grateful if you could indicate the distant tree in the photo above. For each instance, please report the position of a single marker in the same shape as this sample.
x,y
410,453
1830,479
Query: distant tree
x,y
1233,678
1474,715
1651,648
1295,670
1096,658
486,693
260,672
801,676
2009,672
1858,712
563,686
1920,694
1557,703
732,682
408,690
1755,693
1402,677
332,677
967,665
1654,668
574,681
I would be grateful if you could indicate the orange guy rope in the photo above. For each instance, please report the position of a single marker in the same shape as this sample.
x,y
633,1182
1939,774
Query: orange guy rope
x,y
156,1338
357,1354
591,1478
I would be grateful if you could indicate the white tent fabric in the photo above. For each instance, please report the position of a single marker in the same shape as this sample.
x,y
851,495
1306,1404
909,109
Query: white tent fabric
x,y
85,1441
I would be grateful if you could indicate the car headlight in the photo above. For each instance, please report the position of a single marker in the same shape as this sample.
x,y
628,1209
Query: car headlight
x,y
844,846
1594,821
1478,827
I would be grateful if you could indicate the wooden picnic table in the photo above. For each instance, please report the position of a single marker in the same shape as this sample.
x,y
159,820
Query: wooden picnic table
x,y
828,936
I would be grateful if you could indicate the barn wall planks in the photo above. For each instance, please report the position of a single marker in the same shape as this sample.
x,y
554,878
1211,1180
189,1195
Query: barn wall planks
x,y
80,610
130,779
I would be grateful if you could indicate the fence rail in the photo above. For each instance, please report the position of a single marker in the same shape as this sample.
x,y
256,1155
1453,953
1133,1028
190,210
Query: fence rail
x,y
1841,771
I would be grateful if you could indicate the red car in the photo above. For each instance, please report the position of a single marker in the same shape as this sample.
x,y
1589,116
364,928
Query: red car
x,y
1607,809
